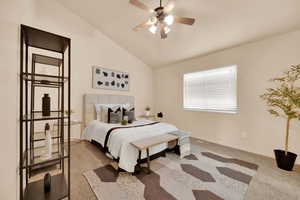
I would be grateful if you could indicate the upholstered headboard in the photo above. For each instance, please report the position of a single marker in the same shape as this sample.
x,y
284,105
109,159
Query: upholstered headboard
x,y
89,101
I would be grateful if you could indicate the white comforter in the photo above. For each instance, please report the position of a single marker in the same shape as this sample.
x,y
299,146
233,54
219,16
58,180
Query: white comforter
x,y
119,141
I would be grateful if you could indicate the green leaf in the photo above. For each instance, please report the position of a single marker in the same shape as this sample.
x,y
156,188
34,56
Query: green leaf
x,y
286,96
273,112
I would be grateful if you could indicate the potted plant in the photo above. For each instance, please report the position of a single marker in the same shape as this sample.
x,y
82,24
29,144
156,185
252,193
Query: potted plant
x,y
147,111
284,101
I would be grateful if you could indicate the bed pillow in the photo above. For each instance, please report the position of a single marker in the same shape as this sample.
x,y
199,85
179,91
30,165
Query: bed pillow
x,y
130,114
102,109
127,106
114,116
98,111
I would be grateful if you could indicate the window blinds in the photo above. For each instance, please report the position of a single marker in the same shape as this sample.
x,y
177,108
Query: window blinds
x,y
212,90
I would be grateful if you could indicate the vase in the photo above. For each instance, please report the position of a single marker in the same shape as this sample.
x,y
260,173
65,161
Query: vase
x,y
48,142
160,115
46,105
47,183
147,113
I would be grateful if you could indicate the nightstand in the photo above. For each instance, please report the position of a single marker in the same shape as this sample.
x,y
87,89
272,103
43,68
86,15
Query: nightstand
x,y
73,123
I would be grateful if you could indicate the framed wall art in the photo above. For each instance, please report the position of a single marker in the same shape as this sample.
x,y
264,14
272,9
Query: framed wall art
x,y
104,78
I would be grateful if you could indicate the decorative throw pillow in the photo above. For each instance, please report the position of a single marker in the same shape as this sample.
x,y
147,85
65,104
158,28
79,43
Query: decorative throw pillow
x,y
114,117
130,114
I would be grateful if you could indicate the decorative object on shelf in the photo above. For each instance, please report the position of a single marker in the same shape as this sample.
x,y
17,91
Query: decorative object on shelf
x,y
48,142
46,105
110,79
284,102
47,183
147,111
161,18
160,115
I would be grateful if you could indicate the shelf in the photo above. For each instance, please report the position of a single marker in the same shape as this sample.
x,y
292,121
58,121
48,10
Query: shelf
x,y
59,189
39,151
40,162
37,116
40,136
55,74
44,40
43,80
46,60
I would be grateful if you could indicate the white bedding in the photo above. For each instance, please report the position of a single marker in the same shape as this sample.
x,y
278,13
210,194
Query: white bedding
x,y
119,140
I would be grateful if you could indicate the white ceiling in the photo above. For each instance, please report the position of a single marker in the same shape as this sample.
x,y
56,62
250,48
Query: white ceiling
x,y
219,24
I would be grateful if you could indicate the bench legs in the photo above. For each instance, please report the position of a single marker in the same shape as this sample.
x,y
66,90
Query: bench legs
x,y
139,168
148,160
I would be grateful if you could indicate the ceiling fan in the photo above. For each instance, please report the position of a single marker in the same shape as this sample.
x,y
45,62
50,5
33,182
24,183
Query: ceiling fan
x,y
161,19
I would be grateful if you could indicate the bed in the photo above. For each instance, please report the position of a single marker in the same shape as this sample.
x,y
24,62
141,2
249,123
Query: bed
x,y
115,139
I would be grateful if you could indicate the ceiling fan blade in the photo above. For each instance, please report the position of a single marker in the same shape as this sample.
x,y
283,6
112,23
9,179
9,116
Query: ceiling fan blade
x,y
170,6
185,20
140,5
143,25
163,34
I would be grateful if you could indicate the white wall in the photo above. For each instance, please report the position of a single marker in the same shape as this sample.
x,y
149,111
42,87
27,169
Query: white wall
x,y
252,129
257,62
89,47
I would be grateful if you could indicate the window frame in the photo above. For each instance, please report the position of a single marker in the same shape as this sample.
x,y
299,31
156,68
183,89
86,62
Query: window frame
x,y
212,110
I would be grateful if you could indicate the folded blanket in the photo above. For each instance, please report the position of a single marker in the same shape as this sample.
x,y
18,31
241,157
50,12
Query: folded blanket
x,y
183,142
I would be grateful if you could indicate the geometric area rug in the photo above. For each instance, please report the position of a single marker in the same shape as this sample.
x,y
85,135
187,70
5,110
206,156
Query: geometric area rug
x,y
204,175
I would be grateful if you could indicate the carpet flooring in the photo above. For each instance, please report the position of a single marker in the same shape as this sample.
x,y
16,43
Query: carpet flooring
x,y
268,182
201,176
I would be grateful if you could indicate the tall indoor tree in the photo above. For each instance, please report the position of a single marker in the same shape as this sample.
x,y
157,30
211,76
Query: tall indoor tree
x,y
284,101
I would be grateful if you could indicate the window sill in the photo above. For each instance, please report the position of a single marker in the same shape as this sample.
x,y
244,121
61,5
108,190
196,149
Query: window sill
x,y
210,111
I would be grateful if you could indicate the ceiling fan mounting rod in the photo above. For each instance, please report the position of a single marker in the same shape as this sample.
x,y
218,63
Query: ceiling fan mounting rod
x,y
160,4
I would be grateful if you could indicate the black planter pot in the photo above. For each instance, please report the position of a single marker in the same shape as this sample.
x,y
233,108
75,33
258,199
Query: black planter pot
x,y
285,162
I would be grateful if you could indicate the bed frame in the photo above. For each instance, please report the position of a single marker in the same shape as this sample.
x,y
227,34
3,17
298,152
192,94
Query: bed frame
x,y
139,161
89,114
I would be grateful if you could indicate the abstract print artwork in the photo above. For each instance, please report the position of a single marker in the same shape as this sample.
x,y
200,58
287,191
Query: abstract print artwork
x,y
110,79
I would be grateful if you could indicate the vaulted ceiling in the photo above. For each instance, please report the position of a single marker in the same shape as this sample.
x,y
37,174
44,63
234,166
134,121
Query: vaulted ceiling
x,y
219,24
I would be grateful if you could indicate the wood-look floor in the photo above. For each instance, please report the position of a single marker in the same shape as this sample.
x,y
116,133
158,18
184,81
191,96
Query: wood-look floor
x,y
270,183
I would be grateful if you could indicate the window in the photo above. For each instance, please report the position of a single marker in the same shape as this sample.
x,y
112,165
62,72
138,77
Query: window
x,y
212,90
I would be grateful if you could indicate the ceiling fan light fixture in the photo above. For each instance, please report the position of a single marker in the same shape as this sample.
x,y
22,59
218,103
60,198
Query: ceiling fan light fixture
x,y
169,20
153,19
153,29
161,18
167,29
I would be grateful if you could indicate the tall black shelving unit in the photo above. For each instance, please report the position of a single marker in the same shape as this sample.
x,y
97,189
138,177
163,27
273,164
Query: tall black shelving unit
x,y
30,162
